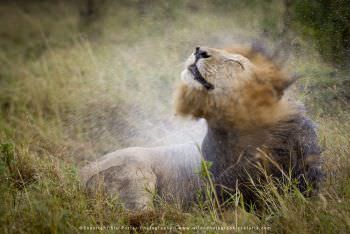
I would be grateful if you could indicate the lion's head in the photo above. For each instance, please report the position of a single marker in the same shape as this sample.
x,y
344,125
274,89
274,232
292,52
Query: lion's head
x,y
236,86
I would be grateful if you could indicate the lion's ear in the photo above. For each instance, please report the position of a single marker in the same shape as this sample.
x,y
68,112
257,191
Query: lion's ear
x,y
236,63
276,78
281,83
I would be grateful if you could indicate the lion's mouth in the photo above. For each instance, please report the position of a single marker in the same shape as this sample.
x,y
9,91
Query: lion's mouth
x,y
198,77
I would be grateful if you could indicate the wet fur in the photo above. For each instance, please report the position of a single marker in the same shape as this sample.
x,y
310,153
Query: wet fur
x,y
286,150
255,127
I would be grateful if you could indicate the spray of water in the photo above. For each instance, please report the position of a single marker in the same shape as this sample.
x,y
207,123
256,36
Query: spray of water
x,y
130,97
124,88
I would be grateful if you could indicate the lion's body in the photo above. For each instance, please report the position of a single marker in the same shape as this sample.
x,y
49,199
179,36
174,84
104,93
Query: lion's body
x,y
253,130
134,174
287,149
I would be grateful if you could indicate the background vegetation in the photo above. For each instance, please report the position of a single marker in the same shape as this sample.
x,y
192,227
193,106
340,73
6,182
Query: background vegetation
x,y
327,23
82,78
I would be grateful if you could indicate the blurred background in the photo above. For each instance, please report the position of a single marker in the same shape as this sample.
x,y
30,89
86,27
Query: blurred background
x,y
87,77
82,78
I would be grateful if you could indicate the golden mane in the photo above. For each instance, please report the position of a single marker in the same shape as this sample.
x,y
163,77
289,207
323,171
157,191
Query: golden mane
x,y
257,100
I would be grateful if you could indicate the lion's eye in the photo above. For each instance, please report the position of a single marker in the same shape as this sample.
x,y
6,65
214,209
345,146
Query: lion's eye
x,y
237,62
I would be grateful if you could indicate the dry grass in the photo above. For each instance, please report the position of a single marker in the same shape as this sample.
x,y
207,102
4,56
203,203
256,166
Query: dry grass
x,y
66,98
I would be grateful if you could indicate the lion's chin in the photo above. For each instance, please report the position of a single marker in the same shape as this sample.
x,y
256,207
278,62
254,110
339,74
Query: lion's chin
x,y
188,79
190,101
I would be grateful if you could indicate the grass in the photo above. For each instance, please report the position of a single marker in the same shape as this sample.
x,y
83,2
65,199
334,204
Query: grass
x,y
71,92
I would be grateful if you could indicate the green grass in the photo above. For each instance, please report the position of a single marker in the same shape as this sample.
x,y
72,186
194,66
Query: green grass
x,y
69,93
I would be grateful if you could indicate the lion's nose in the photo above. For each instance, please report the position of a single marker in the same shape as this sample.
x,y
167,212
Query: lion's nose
x,y
200,53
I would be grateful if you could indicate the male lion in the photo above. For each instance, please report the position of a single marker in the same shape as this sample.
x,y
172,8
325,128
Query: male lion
x,y
251,126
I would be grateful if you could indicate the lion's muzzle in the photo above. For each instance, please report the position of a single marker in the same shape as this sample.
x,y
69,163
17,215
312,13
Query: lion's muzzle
x,y
200,54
